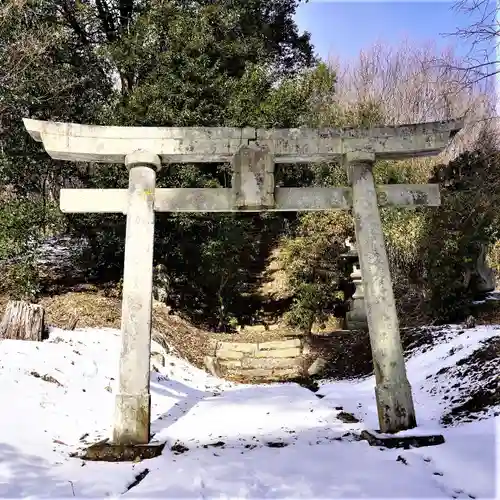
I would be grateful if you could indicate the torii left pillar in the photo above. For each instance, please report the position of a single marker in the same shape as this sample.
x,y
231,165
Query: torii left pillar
x,y
133,401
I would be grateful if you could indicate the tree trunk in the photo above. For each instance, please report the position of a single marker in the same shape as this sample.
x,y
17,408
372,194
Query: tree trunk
x,y
22,321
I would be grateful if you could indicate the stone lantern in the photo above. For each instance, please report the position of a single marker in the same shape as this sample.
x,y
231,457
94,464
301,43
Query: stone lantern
x,y
356,316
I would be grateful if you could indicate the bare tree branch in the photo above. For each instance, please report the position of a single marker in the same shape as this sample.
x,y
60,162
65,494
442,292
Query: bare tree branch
x,y
483,37
408,87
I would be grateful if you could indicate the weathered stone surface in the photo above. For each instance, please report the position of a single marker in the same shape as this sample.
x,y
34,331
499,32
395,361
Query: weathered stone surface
x,y
287,199
194,200
259,373
223,354
376,439
356,318
347,418
212,345
375,133
37,129
385,142
291,352
306,349
82,148
132,419
359,147
317,367
271,363
212,365
331,323
483,277
158,358
242,360
409,195
279,344
231,363
274,327
107,452
312,198
132,413
246,347
93,200
253,178
68,141
254,329
394,398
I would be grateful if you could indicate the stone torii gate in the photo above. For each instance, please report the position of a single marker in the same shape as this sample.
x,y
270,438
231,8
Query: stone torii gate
x,y
253,154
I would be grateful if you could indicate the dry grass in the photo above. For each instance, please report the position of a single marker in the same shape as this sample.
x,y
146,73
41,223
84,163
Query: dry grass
x,y
94,309
89,310
169,329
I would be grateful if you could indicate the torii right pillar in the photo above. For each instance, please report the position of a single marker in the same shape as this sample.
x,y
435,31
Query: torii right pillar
x,y
395,407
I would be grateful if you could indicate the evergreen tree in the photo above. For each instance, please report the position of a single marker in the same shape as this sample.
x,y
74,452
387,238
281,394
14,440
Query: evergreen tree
x,y
154,63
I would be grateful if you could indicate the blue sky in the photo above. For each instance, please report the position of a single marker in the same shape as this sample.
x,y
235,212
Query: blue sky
x,y
345,28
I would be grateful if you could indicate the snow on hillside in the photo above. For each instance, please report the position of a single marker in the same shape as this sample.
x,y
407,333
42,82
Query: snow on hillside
x,y
233,441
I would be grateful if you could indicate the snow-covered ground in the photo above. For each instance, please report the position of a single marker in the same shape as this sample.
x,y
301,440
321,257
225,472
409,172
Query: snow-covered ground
x,y
231,441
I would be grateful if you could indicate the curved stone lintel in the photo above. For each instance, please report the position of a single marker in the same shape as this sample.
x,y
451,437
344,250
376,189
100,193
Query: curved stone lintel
x,y
70,141
37,128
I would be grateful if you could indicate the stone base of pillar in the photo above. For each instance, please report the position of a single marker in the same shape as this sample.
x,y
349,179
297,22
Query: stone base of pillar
x,y
395,407
406,442
107,452
132,419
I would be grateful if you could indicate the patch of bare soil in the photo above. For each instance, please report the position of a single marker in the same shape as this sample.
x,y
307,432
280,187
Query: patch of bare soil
x,y
479,376
188,340
488,312
421,339
349,354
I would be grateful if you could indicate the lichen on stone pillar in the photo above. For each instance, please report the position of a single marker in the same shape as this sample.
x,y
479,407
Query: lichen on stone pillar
x,y
133,403
393,392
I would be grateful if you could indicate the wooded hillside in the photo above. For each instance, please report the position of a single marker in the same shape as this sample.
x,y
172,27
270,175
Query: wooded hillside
x,y
236,63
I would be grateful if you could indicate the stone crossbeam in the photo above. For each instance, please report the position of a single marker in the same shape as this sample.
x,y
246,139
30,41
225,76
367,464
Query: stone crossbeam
x,y
69,141
221,199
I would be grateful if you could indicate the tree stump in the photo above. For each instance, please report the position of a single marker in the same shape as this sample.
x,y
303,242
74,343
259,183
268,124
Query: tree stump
x,y
22,321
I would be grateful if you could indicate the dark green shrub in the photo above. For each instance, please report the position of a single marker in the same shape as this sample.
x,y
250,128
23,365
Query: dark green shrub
x,y
24,223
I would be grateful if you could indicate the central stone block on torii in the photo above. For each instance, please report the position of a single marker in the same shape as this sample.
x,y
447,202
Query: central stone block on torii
x,y
253,154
